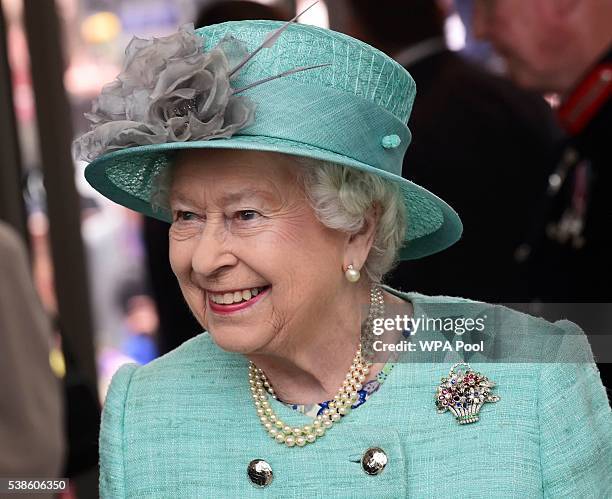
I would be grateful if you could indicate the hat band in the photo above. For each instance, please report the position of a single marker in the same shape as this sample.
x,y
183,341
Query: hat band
x,y
331,120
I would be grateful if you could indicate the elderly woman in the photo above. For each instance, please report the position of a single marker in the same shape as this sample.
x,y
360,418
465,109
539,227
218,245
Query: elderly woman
x,y
275,152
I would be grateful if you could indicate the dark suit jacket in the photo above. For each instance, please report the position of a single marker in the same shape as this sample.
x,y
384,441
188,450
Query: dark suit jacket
x,y
587,269
486,148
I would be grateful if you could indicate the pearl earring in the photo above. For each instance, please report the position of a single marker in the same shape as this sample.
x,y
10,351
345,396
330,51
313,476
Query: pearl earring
x,y
352,274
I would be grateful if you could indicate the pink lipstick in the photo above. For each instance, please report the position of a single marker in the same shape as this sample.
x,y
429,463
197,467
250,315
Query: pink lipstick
x,y
234,307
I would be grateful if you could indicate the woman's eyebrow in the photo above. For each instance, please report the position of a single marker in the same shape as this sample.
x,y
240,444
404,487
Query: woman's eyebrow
x,y
179,196
233,197
226,198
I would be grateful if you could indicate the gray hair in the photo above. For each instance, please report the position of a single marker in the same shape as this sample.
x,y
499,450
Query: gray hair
x,y
341,197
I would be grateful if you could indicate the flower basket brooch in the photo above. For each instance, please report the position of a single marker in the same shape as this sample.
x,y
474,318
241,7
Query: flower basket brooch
x,y
463,392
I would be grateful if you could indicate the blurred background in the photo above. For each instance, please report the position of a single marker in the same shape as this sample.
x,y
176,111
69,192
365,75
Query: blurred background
x,y
491,145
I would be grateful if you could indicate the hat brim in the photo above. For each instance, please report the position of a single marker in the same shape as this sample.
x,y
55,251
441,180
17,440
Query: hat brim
x,y
124,177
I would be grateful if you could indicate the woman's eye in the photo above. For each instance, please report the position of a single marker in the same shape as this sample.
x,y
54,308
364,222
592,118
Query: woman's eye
x,y
184,216
246,215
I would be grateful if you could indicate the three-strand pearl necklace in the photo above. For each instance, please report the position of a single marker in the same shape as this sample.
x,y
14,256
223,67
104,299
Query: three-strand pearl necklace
x,y
340,405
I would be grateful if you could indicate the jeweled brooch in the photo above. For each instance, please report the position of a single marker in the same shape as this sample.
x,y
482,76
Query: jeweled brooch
x,y
463,392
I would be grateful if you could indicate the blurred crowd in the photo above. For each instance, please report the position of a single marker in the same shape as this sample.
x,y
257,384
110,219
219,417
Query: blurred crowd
x,y
514,131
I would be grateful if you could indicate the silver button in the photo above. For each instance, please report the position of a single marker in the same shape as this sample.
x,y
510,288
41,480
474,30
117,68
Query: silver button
x,y
260,472
374,461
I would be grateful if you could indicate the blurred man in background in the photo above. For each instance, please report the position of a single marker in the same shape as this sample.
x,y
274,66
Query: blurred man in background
x,y
565,47
478,141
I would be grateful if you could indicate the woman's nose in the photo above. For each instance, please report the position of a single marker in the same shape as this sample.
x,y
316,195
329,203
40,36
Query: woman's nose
x,y
212,252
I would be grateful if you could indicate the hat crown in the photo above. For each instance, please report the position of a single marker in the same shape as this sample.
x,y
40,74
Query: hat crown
x,y
356,68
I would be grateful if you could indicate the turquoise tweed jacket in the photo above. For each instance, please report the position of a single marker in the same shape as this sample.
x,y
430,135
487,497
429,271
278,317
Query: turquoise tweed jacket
x,y
184,426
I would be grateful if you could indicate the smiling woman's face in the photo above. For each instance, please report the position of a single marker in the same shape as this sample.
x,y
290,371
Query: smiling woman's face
x,y
252,260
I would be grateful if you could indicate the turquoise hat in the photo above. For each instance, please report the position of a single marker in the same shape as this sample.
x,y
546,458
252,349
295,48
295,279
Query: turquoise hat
x,y
264,86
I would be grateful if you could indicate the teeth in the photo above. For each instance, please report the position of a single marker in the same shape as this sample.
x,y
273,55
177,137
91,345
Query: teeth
x,y
235,297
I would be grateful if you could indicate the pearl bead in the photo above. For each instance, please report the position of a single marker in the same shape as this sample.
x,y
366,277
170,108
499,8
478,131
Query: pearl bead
x,y
297,431
310,437
300,441
344,410
341,404
319,431
280,438
288,430
327,423
273,432
352,275
335,417
290,441
307,429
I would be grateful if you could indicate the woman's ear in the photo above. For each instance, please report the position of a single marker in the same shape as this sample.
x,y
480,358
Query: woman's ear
x,y
359,244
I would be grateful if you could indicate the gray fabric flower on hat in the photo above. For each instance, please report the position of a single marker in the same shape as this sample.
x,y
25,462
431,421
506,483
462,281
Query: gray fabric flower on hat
x,y
169,90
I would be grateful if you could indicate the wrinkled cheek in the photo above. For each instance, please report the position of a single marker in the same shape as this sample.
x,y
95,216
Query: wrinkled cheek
x,y
180,260
196,301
